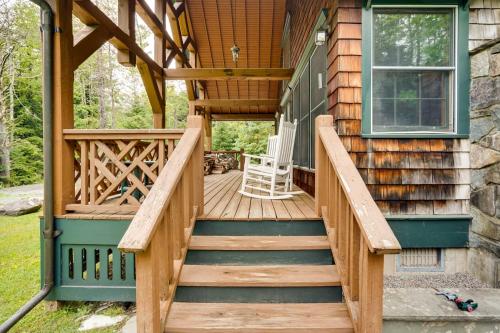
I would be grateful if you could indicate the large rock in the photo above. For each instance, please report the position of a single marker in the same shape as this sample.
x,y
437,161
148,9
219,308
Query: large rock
x,y
484,92
100,321
495,64
481,157
480,127
491,141
485,199
21,207
479,64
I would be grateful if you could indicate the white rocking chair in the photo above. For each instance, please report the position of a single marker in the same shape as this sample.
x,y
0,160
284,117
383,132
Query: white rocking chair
x,y
273,175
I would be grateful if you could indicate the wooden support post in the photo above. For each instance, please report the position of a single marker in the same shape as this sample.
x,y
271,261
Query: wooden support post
x,y
371,292
64,173
321,191
126,22
160,56
207,120
242,159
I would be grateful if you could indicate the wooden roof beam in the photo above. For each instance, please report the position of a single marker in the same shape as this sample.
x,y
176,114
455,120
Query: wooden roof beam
x,y
149,17
243,116
87,41
224,74
235,102
121,40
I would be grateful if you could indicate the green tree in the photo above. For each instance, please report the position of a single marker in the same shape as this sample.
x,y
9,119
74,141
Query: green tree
x,y
176,107
251,136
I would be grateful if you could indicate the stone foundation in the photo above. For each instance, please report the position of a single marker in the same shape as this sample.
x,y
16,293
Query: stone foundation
x,y
484,37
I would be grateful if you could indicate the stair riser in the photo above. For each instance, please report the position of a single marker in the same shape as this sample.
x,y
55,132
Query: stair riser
x,y
246,258
260,228
259,295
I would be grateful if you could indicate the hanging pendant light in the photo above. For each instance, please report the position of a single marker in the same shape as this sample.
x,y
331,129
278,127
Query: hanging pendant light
x,y
235,51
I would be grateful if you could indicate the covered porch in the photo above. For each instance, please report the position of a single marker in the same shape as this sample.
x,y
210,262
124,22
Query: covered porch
x,y
138,197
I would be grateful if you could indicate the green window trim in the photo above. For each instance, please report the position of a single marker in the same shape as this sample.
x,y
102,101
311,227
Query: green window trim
x,y
461,118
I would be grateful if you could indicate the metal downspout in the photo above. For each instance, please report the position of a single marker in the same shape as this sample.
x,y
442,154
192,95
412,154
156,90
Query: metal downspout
x,y
47,27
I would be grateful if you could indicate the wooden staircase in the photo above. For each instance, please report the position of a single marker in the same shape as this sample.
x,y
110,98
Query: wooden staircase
x,y
259,276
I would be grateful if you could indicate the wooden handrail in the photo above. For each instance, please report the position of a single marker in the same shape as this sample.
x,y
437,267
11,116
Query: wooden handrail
x,y
159,233
359,234
117,134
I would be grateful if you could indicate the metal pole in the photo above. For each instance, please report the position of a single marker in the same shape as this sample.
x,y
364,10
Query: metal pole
x,y
47,27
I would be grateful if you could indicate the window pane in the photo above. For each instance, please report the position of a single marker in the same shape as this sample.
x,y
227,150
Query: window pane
x,y
304,119
321,109
296,116
411,100
383,113
318,76
413,37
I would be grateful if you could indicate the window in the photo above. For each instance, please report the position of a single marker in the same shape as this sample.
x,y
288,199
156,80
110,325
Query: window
x,y
412,80
309,101
305,94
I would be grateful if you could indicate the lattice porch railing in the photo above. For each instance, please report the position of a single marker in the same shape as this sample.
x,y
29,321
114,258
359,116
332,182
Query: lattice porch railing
x,y
115,169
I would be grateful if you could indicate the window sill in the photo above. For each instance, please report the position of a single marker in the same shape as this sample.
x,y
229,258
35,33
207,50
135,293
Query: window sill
x,y
414,136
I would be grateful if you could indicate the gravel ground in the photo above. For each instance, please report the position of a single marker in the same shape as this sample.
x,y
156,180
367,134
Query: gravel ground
x,y
436,280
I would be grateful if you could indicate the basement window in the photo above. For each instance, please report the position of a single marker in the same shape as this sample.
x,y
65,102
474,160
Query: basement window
x,y
420,260
411,81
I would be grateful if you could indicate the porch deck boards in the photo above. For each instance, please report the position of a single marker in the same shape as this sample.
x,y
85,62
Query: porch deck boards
x,y
224,202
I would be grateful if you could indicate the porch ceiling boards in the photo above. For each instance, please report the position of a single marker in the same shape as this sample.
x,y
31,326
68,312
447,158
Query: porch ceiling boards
x,y
256,26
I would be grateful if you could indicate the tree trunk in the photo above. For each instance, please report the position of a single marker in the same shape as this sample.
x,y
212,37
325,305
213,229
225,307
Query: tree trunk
x,y
112,88
100,90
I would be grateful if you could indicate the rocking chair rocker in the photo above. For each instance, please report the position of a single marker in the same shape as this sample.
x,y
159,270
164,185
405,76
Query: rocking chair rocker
x,y
273,175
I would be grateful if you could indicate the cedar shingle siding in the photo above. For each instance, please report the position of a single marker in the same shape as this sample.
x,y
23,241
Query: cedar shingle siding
x,y
405,176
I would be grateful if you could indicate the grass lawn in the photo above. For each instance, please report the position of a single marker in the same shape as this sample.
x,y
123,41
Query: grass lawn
x,y
20,280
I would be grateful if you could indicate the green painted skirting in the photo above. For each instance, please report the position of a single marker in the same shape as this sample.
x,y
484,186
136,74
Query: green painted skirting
x,y
439,231
259,228
88,264
249,258
259,294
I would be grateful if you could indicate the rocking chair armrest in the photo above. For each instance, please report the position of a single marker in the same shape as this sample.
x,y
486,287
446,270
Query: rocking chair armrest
x,y
257,157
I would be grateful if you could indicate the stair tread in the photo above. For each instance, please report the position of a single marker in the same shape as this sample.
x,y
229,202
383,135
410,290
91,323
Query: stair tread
x,y
259,276
250,243
256,318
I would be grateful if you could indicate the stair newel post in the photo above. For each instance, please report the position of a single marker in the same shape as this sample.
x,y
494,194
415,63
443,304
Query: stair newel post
x,y
371,291
321,163
197,184
148,288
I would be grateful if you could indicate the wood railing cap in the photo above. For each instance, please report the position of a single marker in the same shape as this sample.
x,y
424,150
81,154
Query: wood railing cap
x,y
121,134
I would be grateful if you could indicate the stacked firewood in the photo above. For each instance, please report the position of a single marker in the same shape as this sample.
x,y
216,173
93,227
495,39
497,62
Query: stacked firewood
x,y
219,164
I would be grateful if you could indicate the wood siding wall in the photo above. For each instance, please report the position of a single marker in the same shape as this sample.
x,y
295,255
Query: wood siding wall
x,y
405,176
